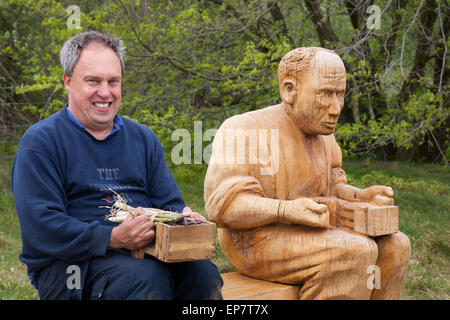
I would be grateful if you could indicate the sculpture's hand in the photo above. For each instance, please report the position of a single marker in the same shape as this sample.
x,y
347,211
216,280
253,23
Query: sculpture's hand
x,y
379,195
304,211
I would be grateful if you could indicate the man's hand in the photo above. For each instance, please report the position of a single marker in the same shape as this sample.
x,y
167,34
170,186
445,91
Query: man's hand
x,y
304,211
379,195
133,233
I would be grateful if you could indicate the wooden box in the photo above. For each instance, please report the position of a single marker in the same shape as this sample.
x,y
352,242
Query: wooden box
x,y
376,221
366,218
177,243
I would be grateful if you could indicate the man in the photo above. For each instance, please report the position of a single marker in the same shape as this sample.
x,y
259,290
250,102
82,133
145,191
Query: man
x,y
62,174
269,227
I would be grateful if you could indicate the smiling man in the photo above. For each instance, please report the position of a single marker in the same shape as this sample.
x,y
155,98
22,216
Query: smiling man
x,y
95,90
269,227
63,173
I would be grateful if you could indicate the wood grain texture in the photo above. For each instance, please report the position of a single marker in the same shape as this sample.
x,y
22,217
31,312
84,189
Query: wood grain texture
x,y
240,287
376,221
266,168
361,217
182,243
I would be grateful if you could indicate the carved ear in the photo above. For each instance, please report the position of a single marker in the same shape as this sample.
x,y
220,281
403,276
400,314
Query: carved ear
x,y
288,91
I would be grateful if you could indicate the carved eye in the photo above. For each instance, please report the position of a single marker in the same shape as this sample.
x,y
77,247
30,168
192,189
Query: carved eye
x,y
321,94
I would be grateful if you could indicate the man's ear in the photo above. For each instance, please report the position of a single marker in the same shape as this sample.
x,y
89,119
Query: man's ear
x,y
66,82
288,91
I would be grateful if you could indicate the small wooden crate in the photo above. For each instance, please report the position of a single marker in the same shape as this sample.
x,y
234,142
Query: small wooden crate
x,y
366,218
376,221
177,243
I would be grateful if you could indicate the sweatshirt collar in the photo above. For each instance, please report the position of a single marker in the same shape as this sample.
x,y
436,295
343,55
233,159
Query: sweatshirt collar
x,y
118,123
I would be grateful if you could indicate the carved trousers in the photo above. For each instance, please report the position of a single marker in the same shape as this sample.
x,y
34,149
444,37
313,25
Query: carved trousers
x,y
327,264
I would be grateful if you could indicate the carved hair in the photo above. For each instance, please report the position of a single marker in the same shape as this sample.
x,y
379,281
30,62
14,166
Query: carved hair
x,y
297,62
70,52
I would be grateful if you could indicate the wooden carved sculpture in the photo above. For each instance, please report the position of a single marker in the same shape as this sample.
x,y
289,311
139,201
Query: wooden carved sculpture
x,y
277,192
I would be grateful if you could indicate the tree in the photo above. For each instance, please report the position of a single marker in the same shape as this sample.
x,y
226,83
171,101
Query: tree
x,y
209,59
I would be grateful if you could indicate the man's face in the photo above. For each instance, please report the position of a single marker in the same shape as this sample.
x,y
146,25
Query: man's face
x,y
320,95
95,88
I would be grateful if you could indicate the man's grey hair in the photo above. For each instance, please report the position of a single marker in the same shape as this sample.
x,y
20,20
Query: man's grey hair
x,y
70,52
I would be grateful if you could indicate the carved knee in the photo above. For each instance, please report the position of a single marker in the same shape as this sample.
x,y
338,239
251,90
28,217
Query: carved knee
x,y
395,248
360,250
368,251
403,246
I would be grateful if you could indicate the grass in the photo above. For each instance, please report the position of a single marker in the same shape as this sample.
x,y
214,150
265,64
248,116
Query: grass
x,y
422,193
14,283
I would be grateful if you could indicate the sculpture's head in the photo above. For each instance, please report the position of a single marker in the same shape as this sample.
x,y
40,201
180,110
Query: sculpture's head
x,y
312,88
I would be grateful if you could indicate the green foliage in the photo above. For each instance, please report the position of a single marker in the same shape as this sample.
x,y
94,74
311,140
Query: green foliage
x,y
208,60
403,127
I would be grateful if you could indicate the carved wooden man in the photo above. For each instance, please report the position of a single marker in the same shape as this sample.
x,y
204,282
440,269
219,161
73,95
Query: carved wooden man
x,y
265,167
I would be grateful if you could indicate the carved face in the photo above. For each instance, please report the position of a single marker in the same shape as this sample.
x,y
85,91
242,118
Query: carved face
x,y
319,95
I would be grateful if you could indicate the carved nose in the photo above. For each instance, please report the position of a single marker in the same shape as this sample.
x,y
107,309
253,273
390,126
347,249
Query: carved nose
x,y
335,107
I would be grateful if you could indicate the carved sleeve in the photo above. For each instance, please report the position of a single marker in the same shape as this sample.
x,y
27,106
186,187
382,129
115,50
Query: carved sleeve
x,y
337,173
339,186
233,195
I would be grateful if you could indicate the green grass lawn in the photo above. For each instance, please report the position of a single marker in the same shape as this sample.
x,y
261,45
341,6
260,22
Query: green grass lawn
x,y
422,193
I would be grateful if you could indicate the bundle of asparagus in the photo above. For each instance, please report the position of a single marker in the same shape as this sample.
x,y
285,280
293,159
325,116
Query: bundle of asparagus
x,y
120,210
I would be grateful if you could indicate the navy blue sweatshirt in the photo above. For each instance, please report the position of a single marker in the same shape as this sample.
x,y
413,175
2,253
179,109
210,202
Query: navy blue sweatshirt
x,y
61,175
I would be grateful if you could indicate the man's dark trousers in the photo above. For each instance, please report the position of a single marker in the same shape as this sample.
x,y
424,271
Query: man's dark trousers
x,y
119,276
